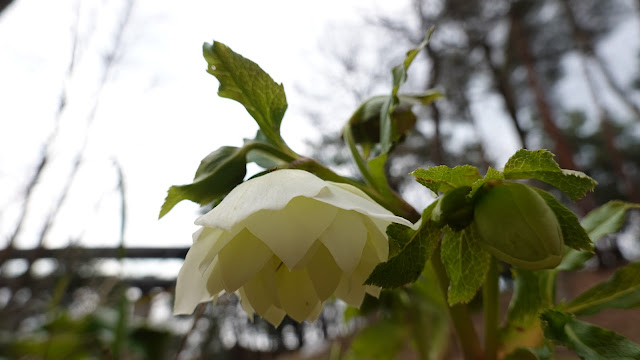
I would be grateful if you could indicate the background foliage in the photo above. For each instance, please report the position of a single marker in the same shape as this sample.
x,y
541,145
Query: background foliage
x,y
519,54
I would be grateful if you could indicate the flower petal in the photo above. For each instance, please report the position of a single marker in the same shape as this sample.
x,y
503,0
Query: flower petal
x,y
214,278
351,288
313,316
378,239
290,232
215,239
336,195
274,315
302,263
191,285
345,239
367,263
261,291
372,290
296,293
271,191
350,291
246,305
324,272
241,259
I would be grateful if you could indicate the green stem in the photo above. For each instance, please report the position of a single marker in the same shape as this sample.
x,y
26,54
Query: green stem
x,y
469,342
490,299
360,162
287,154
393,203
385,197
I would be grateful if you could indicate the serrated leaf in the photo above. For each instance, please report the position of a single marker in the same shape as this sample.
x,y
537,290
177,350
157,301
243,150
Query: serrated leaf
x,y
244,81
443,178
621,291
539,164
399,236
607,219
466,263
407,265
588,341
534,292
218,173
388,129
573,233
491,175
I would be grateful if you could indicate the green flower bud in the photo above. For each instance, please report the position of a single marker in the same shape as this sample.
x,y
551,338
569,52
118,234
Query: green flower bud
x,y
518,227
454,209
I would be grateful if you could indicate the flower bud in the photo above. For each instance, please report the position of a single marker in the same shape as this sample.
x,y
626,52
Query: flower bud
x,y
454,209
518,227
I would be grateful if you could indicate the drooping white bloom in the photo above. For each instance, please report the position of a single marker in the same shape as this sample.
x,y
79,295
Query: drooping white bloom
x,y
286,242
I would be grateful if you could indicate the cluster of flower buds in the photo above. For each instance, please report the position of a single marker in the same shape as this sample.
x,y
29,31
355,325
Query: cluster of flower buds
x,y
513,222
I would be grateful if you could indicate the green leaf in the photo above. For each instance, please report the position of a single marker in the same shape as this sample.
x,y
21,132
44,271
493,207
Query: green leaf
x,y
412,249
365,121
574,260
533,293
381,340
526,353
399,236
244,81
424,98
388,129
217,174
607,219
621,291
573,233
378,174
588,341
539,164
443,178
466,263
264,159
491,175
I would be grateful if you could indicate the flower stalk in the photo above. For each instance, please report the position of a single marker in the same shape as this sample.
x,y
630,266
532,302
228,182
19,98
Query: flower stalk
x,y
490,301
459,313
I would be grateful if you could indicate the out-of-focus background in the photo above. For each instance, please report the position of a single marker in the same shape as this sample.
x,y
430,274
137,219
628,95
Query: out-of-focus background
x,y
105,104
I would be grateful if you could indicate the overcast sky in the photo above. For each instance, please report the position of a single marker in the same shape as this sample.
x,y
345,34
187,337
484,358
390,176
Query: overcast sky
x,y
158,114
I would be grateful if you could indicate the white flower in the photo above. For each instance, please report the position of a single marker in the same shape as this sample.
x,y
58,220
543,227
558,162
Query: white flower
x,y
286,242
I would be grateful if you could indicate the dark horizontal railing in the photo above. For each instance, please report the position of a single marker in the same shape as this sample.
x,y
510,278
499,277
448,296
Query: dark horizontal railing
x,y
96,253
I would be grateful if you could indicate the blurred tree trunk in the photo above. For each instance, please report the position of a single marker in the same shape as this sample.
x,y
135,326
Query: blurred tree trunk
x,y
586,53
501,82
482,160
4,4
587,50
437,154
521,45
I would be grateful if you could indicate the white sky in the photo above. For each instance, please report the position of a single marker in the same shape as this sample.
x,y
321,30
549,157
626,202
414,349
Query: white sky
x,y
159,114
